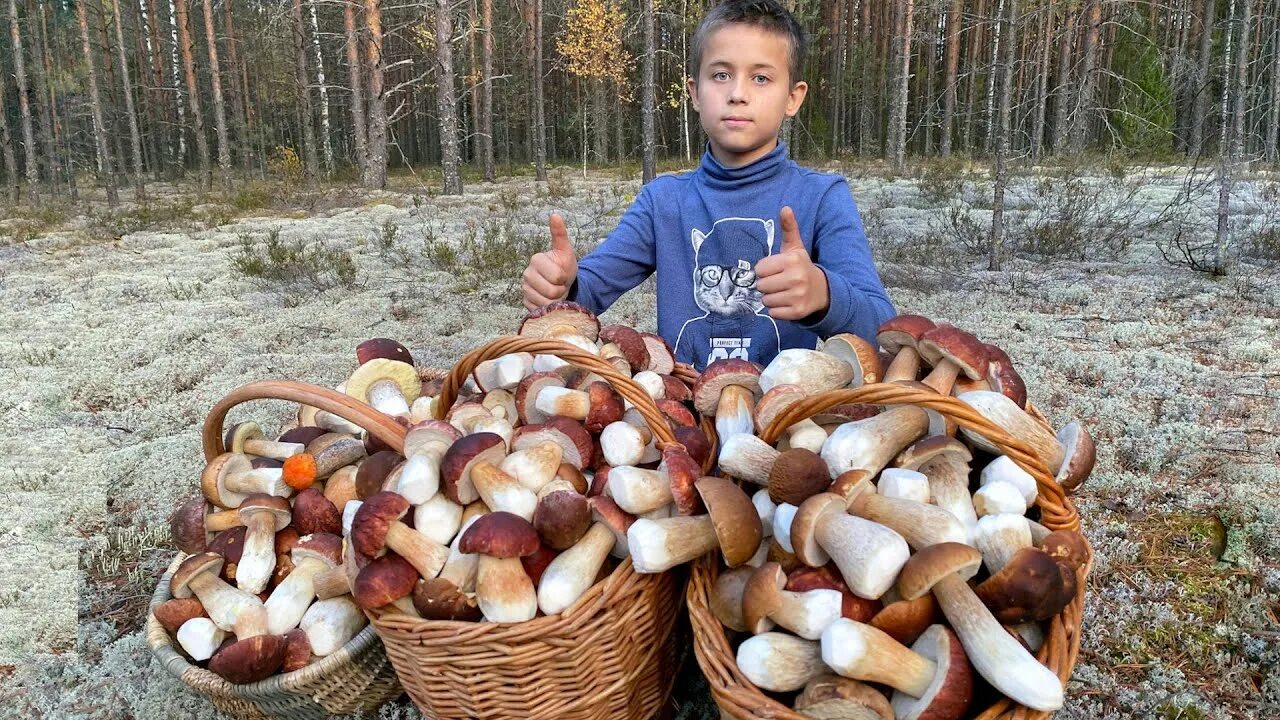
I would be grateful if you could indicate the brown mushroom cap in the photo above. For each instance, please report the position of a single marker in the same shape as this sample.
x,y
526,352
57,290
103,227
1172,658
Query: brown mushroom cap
x,y
382,348
903,330
906,620
277,507
540,321
673,388
805,578
323,546
1029,587
240,433
804,527
191,568
682,473
779,398
1003,377
250,660
372,472
439,599
922,451
831,697
676,413
373,520
536,564
605,406
797,475
720,375
297,654
383,581
302,434
576,444
605,510
230,545
173,612
661,359
1079,458
931,564
736,522
186,525
501,535
630,342
1066,546
561,518
455,467
762,596
313,513
333,451
951,691
217,471
695,443
861,355
947,342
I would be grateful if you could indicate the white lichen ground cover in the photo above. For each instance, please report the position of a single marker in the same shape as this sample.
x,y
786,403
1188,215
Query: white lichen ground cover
x,y
112,351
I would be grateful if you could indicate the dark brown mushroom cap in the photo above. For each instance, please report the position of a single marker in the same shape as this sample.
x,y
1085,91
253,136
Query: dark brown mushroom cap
x,y
186,525
805,578
734,517
455,466
313,513
605,406
676,413
527,392
630,342
257,462
607,511
906,620
238,434
172,613
561,518
384,348
383,581
1080,455
373,520
661,359
297,654
540,321
439,599
302,434
250,660
277,507
804,527
673,388
831,697
931,564
286,539
762,596
325,547
951,691
1029,587
797,475
695,443
947,342
191,568
1002,377
682,473
720,375
372,472
903,330
1066,546
501,535
577,436
230,545
536,563
923,451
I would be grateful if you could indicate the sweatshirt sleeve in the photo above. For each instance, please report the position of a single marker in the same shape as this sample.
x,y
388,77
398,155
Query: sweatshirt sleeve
x,y
859,302
622,261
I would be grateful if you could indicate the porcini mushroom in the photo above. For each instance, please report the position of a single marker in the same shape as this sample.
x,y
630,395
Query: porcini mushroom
x,y
229,478
932,678
812,370
502,492
388,385
503,589
805,434
263,516
765,602
200,638
780,662
727,390
247,438
920,524
747,457
945,462
198,575
290,599
859,354
552,317
831,697
871,443
330,624
461,457
899,336
640,491
597,406
377,526
869,555
951,351
731,523
574,571
1017,422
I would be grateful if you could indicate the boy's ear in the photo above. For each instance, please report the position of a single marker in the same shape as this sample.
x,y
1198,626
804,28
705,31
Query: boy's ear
x,y
691,85
796,98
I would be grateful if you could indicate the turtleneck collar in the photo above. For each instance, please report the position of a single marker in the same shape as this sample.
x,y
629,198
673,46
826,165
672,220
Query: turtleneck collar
x,y
726,178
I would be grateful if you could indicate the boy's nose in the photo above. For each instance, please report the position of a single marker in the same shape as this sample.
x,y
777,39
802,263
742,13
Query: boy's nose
x,y
738,92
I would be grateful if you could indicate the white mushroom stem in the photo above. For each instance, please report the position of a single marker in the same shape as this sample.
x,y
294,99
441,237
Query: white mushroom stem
x,y
807,613
783,514
331,582
259,480
289,600
534,466
868,554
652,384
223,602
658,545
574,570
780,662
503,493
504,372
1000,537
734,411
563,401
504,591
806,434
765,508
921,525
949,488
420,475
460,569
424,554
747,457
994,653
424,408
438,518
862,652
251,622
490,424
272,448
999,497
258,559
637,490
330,624
200,638
349,514
1014,420
336,423
871,443
903,484
624,444
1003,469
386,397
904,366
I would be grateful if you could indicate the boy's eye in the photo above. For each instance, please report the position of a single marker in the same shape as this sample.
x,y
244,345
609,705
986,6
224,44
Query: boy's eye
x,y
720,76
761,79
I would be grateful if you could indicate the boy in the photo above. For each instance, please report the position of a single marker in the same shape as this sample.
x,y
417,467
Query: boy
x,y
754,253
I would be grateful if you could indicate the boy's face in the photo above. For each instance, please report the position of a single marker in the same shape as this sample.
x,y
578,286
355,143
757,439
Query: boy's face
x,y
743,92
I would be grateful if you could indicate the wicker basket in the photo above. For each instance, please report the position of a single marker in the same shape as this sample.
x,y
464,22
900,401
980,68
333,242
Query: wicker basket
x,y
356,678
738,698
612,654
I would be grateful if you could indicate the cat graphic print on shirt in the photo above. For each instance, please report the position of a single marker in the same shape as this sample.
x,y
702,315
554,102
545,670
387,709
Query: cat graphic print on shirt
x,y
735,323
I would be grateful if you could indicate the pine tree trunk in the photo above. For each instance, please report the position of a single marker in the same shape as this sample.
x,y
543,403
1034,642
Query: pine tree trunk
x,y
1063,103
977,38
1042,84
539,105
866,103
162,101
326,129
1004,69
24,106
648,149
95,102
355,81
1086,101
56,154
375,166
236,93
1228,144
6,147
110,103
447,101
135,138
193,92
310,160
1200,115
35,21
486,96
1273,114
952,51
219,107
899,94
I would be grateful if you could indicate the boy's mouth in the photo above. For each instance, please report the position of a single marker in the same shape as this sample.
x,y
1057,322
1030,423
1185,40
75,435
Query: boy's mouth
x,y
736,121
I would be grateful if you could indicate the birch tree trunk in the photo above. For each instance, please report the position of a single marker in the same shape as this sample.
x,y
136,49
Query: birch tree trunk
x,y
1004,69
35,25
135,138
355,81
193,93
6,147
55,152
992,79
1228,143
648,164
375,166
178,102
326,130
95,103
486,96
24,105
446,101
310,161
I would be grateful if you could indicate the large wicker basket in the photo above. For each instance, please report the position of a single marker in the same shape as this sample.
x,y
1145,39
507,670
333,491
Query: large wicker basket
x,y
612,654
738,698
356,678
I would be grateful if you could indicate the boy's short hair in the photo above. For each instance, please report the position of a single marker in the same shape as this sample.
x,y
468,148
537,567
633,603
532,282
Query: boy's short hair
x,y
767,15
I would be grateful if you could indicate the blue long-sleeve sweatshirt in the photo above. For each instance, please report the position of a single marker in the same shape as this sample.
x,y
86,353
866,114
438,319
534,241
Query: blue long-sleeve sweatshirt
x,y
703,233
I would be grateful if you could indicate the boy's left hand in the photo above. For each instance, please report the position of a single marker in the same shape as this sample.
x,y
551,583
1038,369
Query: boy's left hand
x,y
793,287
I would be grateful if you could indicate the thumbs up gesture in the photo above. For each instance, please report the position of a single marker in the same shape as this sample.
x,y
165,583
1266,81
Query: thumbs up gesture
x,y
793,287
550,274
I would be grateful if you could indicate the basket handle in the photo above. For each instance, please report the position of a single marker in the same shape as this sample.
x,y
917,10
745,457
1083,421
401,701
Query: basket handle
x,y
1052,500
384,427
625,386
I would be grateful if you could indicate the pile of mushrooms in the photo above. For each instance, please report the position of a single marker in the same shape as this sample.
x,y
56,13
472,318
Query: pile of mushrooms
x,y
537,482
902,560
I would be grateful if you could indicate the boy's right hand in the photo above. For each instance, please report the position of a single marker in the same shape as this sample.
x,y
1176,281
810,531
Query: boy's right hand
x,y
550,274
